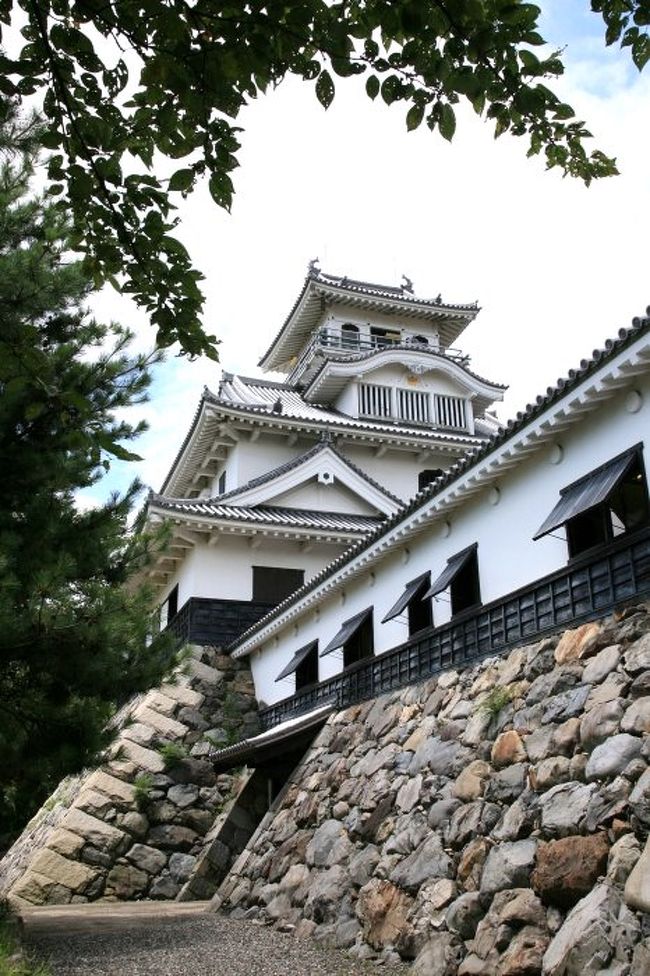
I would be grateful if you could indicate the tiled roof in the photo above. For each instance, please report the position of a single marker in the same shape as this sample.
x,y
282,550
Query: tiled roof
x,y
385,291
263,396
296,518
563,386
301,459
295,408
400,347
357,291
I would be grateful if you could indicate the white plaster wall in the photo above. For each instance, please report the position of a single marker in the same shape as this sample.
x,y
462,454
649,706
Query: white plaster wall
x,y
348,401
507,555
364,320
435,381
397,470
251,459
224,571
334,497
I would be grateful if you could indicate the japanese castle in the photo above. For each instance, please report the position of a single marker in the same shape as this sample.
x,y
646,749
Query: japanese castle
x,y
364,520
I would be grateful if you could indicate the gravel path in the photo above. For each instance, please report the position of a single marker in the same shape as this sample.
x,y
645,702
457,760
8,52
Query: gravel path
x,y
200,946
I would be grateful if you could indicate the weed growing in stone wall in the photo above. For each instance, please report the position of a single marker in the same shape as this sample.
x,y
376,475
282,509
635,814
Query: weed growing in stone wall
x,y
172,754
142,787
497,699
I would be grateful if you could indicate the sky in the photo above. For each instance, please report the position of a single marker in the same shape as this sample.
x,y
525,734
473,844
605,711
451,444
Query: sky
x,y
556,267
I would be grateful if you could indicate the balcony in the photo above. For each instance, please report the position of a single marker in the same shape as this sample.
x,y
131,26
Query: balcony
x,y
591,587
414,407
354,341
215,622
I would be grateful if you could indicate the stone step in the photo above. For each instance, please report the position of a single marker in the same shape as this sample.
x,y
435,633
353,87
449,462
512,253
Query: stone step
x,y
108,916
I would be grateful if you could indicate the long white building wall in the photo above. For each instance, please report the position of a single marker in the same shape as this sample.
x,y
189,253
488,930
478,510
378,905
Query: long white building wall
x,y
507,555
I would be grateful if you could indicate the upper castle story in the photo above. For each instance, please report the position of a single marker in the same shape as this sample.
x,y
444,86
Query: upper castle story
x,y
369,372
379,352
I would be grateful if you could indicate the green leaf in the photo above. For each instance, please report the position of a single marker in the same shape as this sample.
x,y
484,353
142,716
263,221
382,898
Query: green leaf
x,y
372,86
182,180
414,117
325,89
447,123
221,190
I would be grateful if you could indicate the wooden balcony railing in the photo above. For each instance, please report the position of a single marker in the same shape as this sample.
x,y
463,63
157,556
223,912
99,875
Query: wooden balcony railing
x,y
589,587
215,622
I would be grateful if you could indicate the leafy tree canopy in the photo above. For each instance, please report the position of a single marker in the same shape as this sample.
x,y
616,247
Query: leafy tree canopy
x,y
199,62
73,640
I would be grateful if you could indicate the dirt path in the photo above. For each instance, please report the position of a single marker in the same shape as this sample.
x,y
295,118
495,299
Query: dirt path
x,y
137,940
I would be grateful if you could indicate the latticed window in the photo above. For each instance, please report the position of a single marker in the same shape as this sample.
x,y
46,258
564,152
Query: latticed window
x,y
414,406
450,411
374,400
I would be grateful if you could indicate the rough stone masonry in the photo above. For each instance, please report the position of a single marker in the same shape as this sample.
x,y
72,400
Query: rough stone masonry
x,y
492,822
141,824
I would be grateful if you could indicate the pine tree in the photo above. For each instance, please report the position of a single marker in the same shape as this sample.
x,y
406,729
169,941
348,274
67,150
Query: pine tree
x,y
73,638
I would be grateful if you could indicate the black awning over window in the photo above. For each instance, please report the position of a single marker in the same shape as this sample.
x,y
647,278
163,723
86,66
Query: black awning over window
x,y
451,570
588,492
349,628
297,659
409,592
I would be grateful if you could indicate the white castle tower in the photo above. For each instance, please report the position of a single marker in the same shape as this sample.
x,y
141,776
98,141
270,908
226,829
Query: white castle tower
x,y
276,478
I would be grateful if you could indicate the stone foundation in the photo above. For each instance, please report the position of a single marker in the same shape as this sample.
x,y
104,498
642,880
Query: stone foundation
x,y
492,822
136,826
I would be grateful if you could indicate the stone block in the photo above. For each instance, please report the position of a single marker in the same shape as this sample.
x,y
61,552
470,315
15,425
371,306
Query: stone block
x,y
640,798
637,886
602,664
147,759
508,749
576,644
159,701
101,835
568,869
329,845
172,837
600,723
143,735
71,874
183,795
595,932
564,807
637,656
429,860
116,790
182,694
37,889
64,842
126,881
181,867
508,865
190,770
383,910
166,726
164,888
147,858
471,782
637,717
611,758
94,803
204,673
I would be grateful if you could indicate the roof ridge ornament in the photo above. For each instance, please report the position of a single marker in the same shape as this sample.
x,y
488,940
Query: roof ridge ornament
x,y
313,268
408,284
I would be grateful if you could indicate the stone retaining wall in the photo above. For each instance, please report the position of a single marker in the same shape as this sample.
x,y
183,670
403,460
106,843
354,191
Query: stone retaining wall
x,y
491,822
136,826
